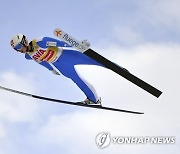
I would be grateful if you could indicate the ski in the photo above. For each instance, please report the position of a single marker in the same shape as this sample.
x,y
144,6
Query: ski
x,y
70,40
107,63
68,102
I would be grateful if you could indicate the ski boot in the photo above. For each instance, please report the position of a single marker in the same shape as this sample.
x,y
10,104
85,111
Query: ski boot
x,y
89,102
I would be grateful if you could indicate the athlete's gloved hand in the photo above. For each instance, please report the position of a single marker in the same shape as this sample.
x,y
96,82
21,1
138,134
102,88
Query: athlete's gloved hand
x,y
55,72
86,43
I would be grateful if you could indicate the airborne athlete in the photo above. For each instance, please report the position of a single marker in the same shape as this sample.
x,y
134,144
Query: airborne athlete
x,y
63,56
49,51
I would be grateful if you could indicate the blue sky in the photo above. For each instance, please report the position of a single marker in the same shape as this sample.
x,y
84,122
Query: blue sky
x,y
142,36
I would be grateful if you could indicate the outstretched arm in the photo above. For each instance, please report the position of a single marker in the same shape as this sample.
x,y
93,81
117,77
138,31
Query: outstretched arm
x,y
45,64
49,67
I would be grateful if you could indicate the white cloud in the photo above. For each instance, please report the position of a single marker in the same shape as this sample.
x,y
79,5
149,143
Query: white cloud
x,y
161,12
16,111
127,35
14,107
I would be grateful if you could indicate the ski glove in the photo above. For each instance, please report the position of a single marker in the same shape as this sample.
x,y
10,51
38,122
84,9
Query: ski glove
x,y
55,72
86,43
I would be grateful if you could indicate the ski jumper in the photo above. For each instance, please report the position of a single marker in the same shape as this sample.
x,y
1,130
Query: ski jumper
x,y
49,51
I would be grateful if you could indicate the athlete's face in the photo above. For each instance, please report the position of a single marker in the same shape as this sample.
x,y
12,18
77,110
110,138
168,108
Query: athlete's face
x,y
23,49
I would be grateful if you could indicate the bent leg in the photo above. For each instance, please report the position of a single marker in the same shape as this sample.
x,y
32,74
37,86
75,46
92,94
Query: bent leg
x,y
87,88
71,73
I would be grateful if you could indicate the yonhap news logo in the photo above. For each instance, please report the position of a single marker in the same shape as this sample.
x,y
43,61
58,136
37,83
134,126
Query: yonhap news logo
x,y
104,139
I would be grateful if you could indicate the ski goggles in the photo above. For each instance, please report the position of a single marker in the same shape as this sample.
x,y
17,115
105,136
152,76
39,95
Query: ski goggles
x,y
18,47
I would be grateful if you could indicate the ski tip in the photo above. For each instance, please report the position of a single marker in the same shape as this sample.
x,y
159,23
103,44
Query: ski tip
x,y
159,94
140,113
133,112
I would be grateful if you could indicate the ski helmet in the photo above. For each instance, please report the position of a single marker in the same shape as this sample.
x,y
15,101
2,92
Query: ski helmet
x,y
18,41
